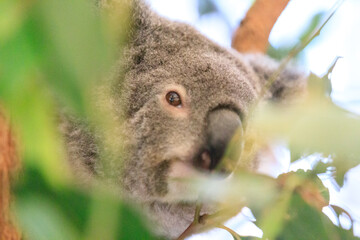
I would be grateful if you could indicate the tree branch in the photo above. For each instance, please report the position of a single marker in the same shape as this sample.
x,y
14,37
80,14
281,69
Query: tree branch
x,y
253,33
8,163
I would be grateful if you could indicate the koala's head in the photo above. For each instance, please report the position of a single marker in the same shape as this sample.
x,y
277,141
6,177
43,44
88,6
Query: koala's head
x,y
183,97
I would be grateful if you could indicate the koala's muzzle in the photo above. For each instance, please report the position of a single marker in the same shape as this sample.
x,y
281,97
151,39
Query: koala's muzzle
x,y
221,126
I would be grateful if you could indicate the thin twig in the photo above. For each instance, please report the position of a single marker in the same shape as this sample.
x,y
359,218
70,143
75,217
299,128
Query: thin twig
x,y
197,212
188,231
232,232
191,229
296,50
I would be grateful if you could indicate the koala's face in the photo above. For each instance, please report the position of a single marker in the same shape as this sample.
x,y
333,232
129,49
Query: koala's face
x,y
183,99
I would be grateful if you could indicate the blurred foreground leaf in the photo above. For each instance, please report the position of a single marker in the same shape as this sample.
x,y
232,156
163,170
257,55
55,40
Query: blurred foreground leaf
x,y
315,125
77,51
206,7
70,213
302,221
53,52
289,205
297,213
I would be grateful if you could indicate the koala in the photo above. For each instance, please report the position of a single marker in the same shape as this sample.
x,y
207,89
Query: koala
x,y
181,97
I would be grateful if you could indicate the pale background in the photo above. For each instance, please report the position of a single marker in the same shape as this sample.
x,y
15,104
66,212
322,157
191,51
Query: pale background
x,y
340,37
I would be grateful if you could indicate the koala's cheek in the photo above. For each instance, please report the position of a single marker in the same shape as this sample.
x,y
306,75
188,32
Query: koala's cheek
x,y
157,179
178,181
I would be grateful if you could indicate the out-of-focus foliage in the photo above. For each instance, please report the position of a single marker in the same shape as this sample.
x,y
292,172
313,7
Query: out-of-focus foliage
x,y
54,52
282,51
316,125
206,6
45,212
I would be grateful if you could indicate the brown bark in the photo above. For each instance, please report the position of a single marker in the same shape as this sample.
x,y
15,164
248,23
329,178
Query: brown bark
x,y
8,164
253,33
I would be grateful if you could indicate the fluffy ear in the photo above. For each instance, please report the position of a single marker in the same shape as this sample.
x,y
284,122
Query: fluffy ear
x,y
143,16
291,82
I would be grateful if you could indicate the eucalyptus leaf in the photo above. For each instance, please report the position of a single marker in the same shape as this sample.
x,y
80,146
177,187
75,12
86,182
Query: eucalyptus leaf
x,y
77,50
315,125
305,222
297,213
72,213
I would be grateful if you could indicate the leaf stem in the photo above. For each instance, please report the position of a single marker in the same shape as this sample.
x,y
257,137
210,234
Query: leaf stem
x,y
232,232
197,212
192,227
297,49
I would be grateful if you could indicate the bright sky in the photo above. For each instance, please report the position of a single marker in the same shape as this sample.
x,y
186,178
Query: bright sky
x,y
341,37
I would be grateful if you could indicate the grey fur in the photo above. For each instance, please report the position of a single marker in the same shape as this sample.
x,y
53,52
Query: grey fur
x,y
163,53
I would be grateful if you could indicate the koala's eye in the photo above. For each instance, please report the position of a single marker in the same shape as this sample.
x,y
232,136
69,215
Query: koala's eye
x,y
173,99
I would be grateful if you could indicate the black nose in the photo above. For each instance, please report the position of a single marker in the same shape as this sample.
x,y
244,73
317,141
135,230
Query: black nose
x,y
221,126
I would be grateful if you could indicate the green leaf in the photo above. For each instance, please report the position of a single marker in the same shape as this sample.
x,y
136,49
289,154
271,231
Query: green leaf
x,y
297,213
305,222
315,125
77,49
67,212
57,48
41,219
12,16
206,6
